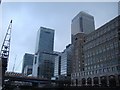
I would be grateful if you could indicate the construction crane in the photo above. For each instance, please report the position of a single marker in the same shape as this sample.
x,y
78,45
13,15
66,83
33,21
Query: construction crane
x,y
4,54
6,43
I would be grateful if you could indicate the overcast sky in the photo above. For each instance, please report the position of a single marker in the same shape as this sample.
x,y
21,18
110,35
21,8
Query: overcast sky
x,y
28,17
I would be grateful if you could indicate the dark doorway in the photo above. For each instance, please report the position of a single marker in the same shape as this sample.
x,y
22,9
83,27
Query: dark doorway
x,y
89,81
103,80
112,81
83,82
96,81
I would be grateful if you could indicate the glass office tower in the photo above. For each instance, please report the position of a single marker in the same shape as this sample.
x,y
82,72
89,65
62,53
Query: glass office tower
x,y
27,61
63,64
43,51
45,40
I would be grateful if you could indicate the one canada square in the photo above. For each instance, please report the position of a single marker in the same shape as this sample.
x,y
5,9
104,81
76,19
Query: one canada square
x,y
43,52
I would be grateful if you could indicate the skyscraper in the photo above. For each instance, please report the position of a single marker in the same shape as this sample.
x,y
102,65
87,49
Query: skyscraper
x,y
43,51
45,40
27,61
82,23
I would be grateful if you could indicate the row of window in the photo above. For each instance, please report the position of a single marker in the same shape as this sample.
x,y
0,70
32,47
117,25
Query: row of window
x,y
101,31
101,40
103,57
101,50
101,65
97,60
100,71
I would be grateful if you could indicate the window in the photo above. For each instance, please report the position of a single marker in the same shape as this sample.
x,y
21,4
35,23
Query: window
x,y
86,73
118,68
94,66
100,70
83,69
88,68
108,69
89,72
88,63
101,65
35,60
96,52
105,59
38,71
75,38
104,64
113,68
98,65
96,71
105,70
91,67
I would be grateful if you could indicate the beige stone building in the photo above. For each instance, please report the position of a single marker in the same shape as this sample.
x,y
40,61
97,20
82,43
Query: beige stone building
x,y
96,56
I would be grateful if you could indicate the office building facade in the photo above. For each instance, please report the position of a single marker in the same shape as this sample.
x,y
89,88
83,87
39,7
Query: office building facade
x,y
43,52
57,66
46,67
82,23
63,64
66,58
101,57
27,60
